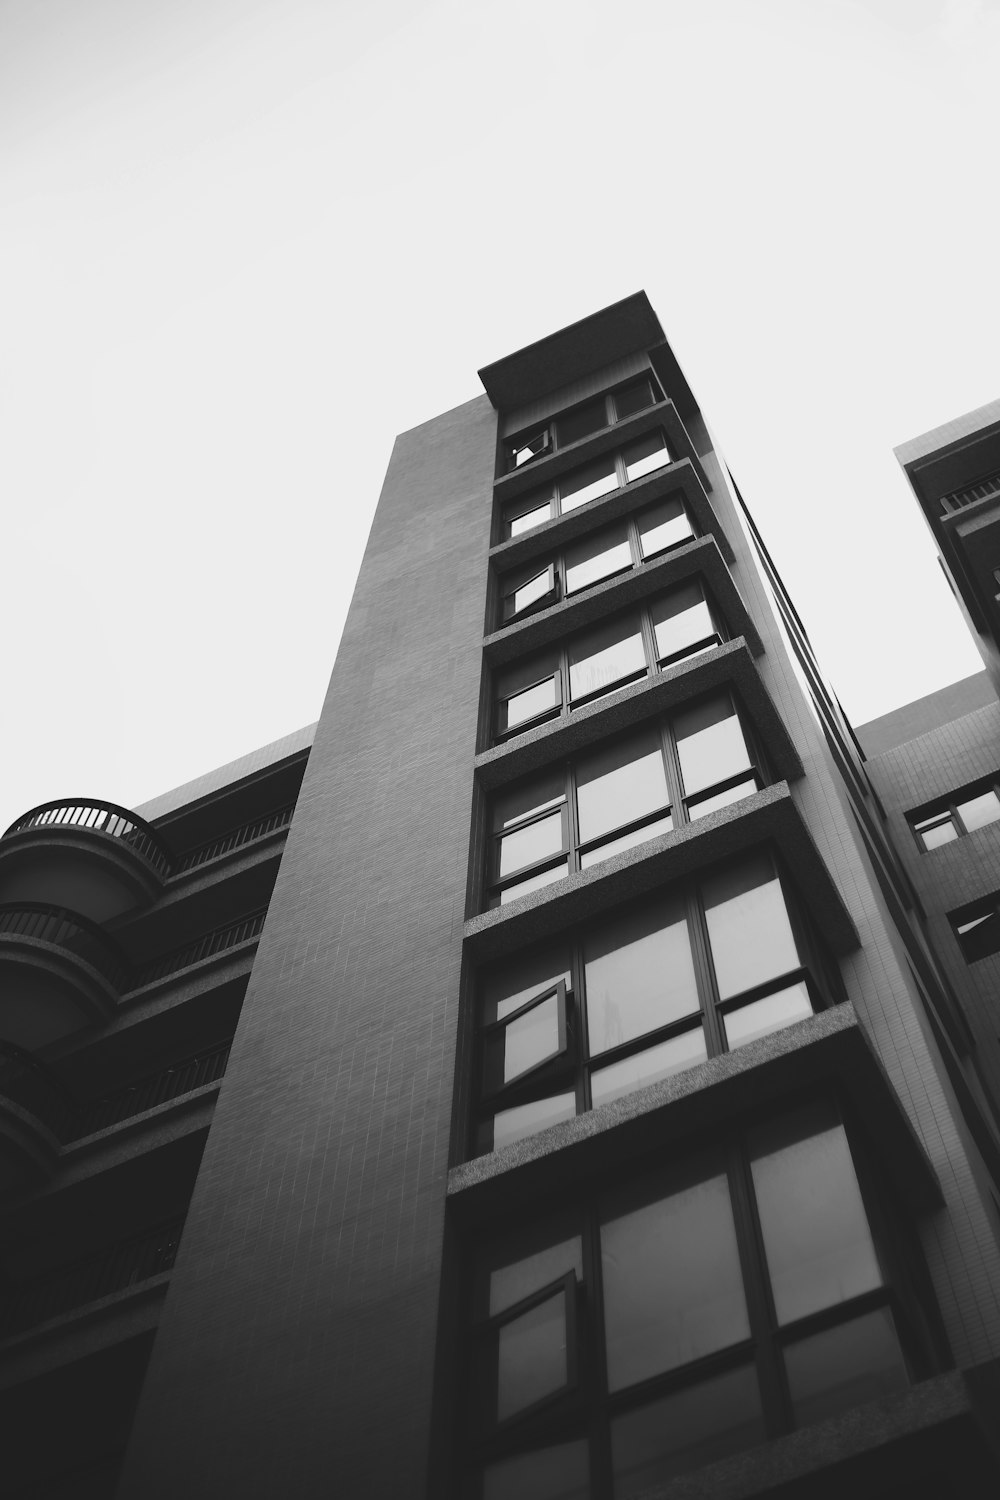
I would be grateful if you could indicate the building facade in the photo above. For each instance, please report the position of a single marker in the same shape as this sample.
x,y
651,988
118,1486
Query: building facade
x,y
610,1099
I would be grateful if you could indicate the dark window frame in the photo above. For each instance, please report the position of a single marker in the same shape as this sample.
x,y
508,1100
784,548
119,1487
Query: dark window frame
x,y
588,1411
549,429
972,918
550,494
947,810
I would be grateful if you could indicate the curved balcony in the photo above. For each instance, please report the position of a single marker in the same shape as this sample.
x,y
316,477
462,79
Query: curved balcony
x,y
34,1110
90,856
58,973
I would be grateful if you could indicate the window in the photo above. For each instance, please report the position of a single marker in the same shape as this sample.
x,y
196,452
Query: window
x,y
641,994
674,626
659,1325
977,928
619,794
582,421
966,810
578,487
603,554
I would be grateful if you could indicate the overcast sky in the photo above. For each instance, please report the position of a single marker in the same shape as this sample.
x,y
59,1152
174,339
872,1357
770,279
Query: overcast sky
x,y
246,242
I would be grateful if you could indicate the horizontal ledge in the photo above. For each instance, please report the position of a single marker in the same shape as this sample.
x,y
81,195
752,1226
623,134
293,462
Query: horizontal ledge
x,y
681,477
727,666
829,1048
768,817
699,558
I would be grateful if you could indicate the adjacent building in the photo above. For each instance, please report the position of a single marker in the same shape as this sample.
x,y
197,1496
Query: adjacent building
x,y
569,1070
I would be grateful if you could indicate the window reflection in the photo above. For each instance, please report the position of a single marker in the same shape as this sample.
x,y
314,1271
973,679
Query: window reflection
x,y
664,526
604,657
588,483
620,783
639,975
642,1068
645,455
682,621
532,1361
748,926
597,557
710,744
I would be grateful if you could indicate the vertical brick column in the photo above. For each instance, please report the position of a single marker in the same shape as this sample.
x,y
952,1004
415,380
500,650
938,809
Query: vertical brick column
x,y
295,1356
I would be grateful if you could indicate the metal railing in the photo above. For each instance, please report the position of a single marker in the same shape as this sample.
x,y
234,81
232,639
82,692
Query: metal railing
x,y
25,1081
121,1265
235,839
983,489
158,1088
210,943
71,932
100,817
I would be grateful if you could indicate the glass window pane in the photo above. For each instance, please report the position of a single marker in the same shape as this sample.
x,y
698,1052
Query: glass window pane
x,y
748,926
585,484
527,1119
624,841
603,657
673,1291
557,1473
681,619
620,782
710,743
645,455
534,883
506,987
639,975
657,1062
510,1284
844,1366
526,846
521,801
582,421
662,526
525,1043
632,398
980,810
597,557
686,1429
535,515
937,830
712,803
522,707
531,1356
816,1236
524,449
530,592
762,1017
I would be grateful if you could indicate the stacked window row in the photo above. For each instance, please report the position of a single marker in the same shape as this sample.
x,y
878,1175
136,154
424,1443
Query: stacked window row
x,y
567,492
963,812
581,421
729,1298
641,994
620,794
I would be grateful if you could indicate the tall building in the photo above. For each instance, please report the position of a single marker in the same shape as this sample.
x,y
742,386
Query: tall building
x,y
608,1105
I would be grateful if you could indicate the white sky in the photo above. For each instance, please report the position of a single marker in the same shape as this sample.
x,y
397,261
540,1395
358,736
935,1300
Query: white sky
x,y
245,242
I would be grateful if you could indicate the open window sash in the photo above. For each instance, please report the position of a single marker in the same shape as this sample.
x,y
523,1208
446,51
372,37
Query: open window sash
x,y
520,1045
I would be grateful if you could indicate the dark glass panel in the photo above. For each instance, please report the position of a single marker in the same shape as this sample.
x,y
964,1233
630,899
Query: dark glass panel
x,y
685,1430
527,1119
748,926
512,1283
979,936
761,1017
597,557
620,782
527,690
639,974
645,455
632,398
534,883
816,1236
673,1291
506,987
532,1358
681,620
535,588
582,421
844,1366
528,797
664,526
659,1061
524,449
603,657
588,483
977,811
538,510
710,743
557,1473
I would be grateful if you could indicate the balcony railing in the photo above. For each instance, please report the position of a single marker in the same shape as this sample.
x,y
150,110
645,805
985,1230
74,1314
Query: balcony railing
x,y
159,1088
27,1082
983,489
69,931
210,943
100,817
121,1265
235,839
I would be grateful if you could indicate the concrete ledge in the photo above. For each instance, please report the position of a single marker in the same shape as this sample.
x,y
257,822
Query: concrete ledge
x,y
678,478
700,558
828,1049
82,1331
768,817
729,665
